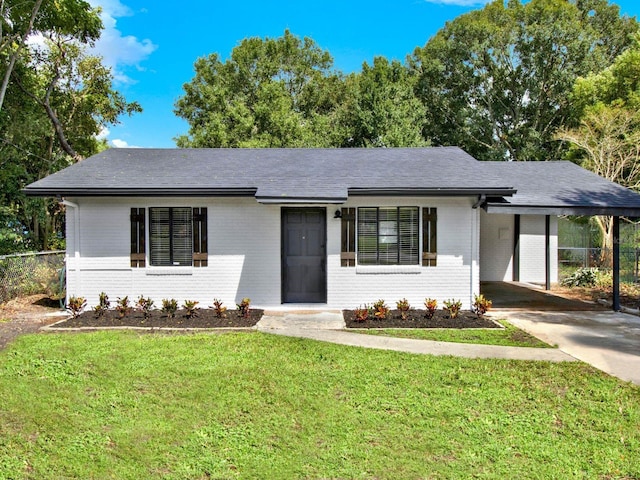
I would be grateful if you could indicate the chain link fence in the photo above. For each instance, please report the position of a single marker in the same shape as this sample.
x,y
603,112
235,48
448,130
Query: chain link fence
x,y
572,258
30,273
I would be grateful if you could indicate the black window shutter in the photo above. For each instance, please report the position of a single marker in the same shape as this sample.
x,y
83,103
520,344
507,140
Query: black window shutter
x,y
429,237
348,249
200,252
137,237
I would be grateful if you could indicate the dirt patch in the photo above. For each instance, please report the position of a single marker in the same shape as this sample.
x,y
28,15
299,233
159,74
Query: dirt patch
x,y
204,318
417,318
629,294
26,315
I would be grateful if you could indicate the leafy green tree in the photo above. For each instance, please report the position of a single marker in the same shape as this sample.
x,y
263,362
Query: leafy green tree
x,y
381,109
19,19
57,102
617,85
75,91
607,142
607,138
270,93
496,81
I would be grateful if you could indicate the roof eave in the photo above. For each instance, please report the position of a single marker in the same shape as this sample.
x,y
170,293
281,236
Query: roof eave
x,y
140,192
300,200
586,210
432,192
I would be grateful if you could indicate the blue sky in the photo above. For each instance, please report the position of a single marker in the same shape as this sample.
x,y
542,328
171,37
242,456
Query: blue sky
x,y
151,45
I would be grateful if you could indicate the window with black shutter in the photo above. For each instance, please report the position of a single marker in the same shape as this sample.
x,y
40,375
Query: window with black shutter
x,y
177,237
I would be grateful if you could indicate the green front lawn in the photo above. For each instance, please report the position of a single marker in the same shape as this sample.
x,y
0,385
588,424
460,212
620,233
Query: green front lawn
x,y
251,405
508,336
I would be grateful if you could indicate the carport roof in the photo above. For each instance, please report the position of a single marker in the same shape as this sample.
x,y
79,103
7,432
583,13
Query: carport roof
x,y
560,188
332,175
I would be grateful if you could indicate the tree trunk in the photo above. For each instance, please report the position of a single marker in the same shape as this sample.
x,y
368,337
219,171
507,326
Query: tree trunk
x,y
605,224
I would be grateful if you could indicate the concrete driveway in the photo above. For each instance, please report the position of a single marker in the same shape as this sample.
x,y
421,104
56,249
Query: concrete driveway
x,y
607,340
522,296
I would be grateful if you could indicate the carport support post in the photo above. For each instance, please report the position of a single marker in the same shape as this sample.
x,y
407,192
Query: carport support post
x,y
616,264
516,249
547,252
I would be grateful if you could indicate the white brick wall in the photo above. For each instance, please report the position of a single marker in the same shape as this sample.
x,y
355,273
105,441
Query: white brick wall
x,y
453,277
532,248
496,247
245,255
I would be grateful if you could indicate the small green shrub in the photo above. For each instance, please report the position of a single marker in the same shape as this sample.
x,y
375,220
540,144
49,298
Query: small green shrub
x,y
403,306
431,304
191,308
244,307
605,279
169,307
75,305
453,307
103,305
583,277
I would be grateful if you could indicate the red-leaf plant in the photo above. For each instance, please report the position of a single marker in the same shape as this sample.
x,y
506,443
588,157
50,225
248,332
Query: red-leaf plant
x,y
431,304
453,307
403,306
244,307
218,308
380,310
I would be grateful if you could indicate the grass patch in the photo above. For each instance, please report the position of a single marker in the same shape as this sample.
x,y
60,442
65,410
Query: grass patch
x,y
510,335
4,320
252,405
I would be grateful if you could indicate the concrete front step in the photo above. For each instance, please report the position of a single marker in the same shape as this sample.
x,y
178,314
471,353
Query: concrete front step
x,y
301,320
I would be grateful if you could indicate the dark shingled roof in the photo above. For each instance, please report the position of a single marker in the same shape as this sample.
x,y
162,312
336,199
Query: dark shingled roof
x,y
332,175
560,188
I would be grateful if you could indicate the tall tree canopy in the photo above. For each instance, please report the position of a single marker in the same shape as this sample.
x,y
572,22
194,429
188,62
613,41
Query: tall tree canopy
x,y
607,138
270,93
381,109
496,81
57,101
283,92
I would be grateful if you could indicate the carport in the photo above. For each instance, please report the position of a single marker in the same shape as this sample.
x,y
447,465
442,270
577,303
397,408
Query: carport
x,y
551,189
518,296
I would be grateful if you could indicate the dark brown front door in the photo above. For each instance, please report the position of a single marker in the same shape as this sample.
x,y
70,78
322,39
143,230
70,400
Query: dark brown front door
x,y
304,273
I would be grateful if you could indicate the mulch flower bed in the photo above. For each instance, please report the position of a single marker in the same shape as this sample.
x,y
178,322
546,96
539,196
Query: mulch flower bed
x,y
206,318
416,318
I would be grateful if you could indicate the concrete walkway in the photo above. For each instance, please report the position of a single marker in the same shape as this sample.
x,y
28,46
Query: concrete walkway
x,y
607,340
327,327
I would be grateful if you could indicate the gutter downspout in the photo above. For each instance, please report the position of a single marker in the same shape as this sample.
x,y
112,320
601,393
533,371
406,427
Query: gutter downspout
x,y
482,199
76,236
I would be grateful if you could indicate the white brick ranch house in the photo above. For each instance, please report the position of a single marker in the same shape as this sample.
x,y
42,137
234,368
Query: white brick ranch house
x,y
335,228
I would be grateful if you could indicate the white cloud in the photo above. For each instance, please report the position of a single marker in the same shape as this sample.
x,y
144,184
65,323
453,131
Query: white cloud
x,y
118,143
119,51
104,133
460,3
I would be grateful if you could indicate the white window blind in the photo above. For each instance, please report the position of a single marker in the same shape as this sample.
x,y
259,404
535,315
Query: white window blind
x,y
388,236
170,236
